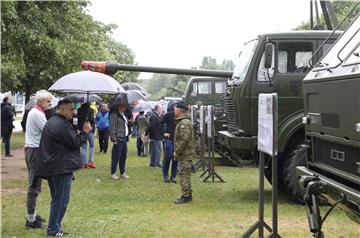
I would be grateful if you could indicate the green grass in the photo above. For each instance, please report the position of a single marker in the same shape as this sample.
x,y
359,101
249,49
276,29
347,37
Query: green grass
x,y
143,206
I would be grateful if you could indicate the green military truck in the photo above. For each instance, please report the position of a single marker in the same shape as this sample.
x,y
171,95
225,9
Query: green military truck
x,y
205,90
332,130
271,63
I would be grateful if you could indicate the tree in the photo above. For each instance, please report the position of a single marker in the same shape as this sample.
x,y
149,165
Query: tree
x,y
42,41
341,9
210,63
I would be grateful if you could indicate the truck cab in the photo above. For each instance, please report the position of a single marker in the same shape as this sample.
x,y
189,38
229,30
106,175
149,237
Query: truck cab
x,y
205,90
332,129
271,63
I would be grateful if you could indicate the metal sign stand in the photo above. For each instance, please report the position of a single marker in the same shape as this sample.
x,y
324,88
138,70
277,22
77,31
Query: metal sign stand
x,y
211,148
267,143
201,163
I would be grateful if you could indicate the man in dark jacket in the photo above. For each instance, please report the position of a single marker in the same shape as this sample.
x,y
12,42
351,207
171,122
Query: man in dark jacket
x,y
7,118
119,132
168,123
59,155
155,134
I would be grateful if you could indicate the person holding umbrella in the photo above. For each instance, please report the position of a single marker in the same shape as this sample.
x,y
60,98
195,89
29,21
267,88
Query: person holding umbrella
x,y
86,114
119,132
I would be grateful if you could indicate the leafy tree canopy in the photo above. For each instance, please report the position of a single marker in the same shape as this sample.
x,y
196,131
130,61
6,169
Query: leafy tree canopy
x,y
44,40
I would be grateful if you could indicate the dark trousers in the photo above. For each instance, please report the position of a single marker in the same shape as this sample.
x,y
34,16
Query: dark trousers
x,y
169,158
34,187
103,139
140,147
118,156
60,186
6,136
155,153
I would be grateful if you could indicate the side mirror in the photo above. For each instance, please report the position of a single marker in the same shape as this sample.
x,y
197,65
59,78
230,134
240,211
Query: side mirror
x,y
268,55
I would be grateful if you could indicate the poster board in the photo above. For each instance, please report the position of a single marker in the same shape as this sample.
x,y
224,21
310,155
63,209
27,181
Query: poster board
x,y
202,119
267,123
210,121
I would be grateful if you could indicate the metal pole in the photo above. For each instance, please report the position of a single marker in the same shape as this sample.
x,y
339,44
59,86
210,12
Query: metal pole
x,y
274,179
261,194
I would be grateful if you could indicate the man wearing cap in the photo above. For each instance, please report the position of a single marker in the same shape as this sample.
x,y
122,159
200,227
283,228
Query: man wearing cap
x,y
184,150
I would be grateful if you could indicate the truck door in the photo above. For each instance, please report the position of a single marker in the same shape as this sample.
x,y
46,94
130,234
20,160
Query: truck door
x,y
290,65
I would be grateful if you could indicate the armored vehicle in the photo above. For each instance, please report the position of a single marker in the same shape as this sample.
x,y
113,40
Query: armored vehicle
x,y
332,130
271,63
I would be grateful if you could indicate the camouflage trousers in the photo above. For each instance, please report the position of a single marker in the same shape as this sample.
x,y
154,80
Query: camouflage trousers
x,y
184,174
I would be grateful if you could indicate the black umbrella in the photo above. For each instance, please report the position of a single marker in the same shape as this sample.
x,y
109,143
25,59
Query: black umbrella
x,y
81,98
132,86
121,98
135,95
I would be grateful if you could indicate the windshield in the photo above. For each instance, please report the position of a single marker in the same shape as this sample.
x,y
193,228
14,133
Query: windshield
x,y
244,61
343,48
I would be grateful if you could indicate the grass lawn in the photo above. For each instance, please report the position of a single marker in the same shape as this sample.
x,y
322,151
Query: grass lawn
x,y
143,206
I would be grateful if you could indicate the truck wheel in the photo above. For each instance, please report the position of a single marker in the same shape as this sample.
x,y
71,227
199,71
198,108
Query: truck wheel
x,y
295,157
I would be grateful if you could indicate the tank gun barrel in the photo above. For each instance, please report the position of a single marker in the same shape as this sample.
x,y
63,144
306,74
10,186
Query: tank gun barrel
x,y
111,68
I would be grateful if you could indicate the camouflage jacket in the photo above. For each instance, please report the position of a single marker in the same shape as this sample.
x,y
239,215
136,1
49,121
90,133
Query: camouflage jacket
x,y
184,139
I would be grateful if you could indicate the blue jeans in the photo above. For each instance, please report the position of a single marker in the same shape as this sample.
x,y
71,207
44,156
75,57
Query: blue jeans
x,y
169,158
155,153
118,156
60,186
90,138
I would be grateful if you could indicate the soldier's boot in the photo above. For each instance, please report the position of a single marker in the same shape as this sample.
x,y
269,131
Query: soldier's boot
x,y
183,199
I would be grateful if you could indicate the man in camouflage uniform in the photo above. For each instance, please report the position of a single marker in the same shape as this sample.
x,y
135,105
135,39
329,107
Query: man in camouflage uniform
x,y
185,150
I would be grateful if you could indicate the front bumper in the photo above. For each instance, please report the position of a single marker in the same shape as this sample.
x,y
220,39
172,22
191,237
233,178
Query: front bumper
x,y
334,190
237,144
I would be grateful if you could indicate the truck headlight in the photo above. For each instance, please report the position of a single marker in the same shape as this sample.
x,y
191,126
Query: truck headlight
x,y
306,119
357,127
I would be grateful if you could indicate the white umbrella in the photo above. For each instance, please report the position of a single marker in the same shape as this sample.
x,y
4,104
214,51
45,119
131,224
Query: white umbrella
x,y
87,82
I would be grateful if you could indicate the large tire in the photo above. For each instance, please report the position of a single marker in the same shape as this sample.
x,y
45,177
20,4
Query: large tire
x,y
295,157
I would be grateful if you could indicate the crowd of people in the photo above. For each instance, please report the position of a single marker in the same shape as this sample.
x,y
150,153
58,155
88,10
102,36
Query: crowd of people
x,y
56,145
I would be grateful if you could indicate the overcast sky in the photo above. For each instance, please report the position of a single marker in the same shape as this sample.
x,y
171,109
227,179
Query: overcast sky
x,y
179,33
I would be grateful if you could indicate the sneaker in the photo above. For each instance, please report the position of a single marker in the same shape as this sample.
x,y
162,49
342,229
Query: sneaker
x,y
84,166
124,176
173,180
114,176
183,199
39,218
8,155
35,224
92,165
60,233
166,179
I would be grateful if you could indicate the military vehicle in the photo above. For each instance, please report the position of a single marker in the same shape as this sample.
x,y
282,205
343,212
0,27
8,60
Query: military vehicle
x,y
271,63
332,129
274,62
205,90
